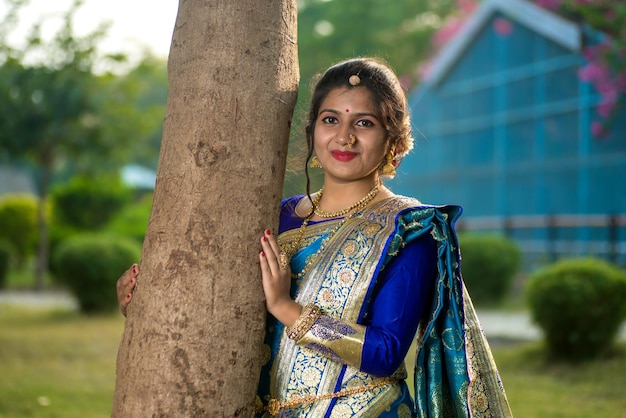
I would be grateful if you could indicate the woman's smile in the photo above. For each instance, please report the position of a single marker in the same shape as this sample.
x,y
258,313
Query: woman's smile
x,y
343,156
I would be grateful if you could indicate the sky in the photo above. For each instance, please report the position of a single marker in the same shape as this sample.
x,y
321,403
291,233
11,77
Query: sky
x,y
135,24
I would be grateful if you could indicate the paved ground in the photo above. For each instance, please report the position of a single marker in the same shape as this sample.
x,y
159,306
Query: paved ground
x,y
47,299
498,326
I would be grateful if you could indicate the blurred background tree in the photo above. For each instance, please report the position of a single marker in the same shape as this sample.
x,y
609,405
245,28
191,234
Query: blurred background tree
x,y
66,110
56,113
397,31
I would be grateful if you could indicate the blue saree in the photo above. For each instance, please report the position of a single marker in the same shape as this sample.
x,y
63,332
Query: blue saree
x,y
388,274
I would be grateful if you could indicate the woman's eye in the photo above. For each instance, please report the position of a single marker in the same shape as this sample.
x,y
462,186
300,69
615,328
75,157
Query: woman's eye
x,y
365,123
329,119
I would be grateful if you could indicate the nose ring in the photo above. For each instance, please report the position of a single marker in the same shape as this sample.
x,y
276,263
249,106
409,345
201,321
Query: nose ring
x,y
352,140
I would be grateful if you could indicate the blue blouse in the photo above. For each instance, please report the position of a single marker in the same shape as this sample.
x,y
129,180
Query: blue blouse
x,y
398,302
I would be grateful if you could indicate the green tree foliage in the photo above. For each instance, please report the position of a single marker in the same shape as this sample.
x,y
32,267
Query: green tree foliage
x,y
18,224
132,221
397,31
132,106
47,109
579,304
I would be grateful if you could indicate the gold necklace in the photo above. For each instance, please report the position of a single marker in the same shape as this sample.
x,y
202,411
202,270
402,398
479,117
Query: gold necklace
x,y
360,204
290,249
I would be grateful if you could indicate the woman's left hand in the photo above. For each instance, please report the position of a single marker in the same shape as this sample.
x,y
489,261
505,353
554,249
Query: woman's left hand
x,y
277,282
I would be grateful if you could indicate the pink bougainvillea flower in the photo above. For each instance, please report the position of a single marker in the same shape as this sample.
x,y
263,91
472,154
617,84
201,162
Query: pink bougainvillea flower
x,y
466,6
589,53
605,108
447,31
620,82
597,129
502,26
549,4
592,72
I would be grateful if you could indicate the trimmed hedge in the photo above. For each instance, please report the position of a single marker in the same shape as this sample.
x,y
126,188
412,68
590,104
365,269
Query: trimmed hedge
x,y
89,265
18,224
89,204
579,305
488,265
132,221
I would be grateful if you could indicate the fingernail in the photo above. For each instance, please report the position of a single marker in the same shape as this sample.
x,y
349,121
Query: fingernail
x,y
128,296
262,254
268,232
135,268
264,239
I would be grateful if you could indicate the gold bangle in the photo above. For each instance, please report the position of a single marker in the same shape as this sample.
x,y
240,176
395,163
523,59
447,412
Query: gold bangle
x,y
310,314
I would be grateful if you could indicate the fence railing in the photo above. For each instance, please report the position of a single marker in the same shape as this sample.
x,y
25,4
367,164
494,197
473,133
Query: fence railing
x,y
566,235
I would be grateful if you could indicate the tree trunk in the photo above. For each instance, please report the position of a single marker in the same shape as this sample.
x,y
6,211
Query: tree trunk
x,y
193,336
43,244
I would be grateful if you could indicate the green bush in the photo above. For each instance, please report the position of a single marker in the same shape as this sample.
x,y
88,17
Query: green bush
x,y
89,204
89,266
579,305
488,264
18,224
6,250
132,221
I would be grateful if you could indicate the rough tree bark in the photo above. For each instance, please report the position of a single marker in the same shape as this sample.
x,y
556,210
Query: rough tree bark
x,y
192,340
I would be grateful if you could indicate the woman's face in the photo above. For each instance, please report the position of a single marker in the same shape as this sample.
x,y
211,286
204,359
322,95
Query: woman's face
x,y
346,112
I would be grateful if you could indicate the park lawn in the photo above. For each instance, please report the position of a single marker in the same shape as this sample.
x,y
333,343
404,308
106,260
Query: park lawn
x,y
540,387
57,363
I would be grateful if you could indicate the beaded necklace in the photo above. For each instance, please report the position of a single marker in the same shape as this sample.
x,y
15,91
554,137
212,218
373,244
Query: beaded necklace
x,y
361,203
294,246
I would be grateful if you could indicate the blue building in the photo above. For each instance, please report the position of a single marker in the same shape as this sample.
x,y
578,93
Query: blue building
x,y
503,128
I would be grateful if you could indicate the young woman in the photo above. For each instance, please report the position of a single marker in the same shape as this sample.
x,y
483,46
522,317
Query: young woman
x,y
356,272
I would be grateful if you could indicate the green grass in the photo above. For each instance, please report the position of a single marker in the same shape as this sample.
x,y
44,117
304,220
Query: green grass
x,y
57,363
539,387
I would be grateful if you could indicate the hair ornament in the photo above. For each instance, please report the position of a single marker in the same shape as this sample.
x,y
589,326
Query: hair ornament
x,y
354,80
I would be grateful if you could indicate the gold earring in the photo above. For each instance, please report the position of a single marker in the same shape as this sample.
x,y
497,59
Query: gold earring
x,y
389,169
315,162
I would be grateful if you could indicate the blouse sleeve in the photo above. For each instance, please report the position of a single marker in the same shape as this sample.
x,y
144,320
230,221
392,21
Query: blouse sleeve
x,y
379,345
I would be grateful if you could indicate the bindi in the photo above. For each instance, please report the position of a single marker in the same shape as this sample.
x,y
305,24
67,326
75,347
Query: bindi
x,y
347,110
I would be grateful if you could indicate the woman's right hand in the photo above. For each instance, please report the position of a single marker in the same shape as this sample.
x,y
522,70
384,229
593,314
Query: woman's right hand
x,y
125,286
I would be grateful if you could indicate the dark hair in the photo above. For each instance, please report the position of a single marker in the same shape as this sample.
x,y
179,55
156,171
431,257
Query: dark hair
x,y
386,92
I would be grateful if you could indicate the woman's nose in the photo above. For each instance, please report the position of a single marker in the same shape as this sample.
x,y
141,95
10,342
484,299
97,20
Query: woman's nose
x,y
345,138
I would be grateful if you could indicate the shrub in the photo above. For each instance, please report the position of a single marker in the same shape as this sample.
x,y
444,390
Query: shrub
x,y
6,250
489,264
579,305
89,265
88,204
18,224
132,221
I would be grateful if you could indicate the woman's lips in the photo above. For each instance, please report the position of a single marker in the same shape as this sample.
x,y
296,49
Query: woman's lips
x,y
343,156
